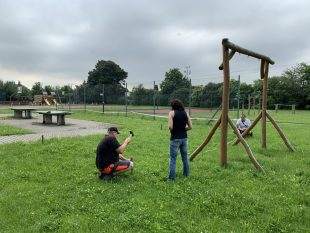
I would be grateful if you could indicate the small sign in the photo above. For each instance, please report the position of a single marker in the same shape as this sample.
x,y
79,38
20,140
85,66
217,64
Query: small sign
x,y
19,89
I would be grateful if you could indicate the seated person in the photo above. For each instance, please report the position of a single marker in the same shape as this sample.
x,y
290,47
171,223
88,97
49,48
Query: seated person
x,y
110,160
243,123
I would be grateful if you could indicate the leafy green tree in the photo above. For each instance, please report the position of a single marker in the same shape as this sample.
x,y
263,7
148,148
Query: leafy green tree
x,y
37,89
245,91
174,79
10,88
211,97
171,85
49,89
141,96
113,77
197,94
181,94
106,72
296,81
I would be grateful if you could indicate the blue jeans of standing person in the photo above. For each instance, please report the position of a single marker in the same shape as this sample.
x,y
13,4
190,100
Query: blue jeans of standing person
x,y
175,145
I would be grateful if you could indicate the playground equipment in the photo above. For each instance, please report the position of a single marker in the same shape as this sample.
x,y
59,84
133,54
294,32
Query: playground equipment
x,y
44,100
224,120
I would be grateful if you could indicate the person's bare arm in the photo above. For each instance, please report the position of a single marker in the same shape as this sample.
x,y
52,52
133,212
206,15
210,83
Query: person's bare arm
x,y
189,125
122,147
170,120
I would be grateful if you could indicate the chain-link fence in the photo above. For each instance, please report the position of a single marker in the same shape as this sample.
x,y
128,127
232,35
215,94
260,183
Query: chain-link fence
x,y
202,102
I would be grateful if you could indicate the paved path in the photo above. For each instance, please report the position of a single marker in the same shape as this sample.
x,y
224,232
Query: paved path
x,y
72,128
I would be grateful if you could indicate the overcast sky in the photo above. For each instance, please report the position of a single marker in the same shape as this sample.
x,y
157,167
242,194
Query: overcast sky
x,y
58,42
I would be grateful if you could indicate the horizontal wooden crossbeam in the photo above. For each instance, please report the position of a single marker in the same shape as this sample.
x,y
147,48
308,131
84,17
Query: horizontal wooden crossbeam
x,y
236,48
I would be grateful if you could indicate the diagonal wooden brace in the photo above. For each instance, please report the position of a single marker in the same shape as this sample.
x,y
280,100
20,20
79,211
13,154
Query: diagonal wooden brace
x,y
197,151
250,128
246,146
287,143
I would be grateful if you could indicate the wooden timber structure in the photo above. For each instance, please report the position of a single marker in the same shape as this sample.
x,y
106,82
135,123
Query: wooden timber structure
x,y
229,49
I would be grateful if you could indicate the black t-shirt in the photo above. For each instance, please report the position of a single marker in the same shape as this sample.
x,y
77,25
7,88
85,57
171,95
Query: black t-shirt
x,y
180,120
106,152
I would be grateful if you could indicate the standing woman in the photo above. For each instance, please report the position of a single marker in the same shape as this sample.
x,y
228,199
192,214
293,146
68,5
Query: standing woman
x,y
178,122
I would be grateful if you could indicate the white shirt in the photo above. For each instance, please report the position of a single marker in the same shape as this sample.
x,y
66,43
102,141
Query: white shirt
x,y
243,125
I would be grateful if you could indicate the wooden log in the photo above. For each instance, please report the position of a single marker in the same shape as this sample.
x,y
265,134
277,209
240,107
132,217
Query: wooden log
x,y
230,56
246,147
197,151
225,107
250,128
228,44
262,69
287,143
217,110
264,75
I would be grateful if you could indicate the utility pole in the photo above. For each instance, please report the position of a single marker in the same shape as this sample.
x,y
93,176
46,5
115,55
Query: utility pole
x,y
238,96
187,74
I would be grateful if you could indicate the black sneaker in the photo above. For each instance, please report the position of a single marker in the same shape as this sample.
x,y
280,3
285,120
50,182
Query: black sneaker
x,y
106,176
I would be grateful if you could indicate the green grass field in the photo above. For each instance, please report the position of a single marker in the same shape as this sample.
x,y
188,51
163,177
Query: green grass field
x,y
52,187
6,130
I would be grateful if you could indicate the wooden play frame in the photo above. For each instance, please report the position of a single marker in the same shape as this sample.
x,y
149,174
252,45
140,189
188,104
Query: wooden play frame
x,y
229,49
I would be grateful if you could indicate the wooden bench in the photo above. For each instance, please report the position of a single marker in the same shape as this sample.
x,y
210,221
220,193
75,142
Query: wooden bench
x,y
18,112
48,116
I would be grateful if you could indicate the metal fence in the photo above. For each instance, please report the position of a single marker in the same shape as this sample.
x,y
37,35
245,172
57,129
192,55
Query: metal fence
x,y
112,98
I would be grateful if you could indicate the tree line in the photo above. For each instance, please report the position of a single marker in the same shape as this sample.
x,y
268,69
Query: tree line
x,y
292,87
107,83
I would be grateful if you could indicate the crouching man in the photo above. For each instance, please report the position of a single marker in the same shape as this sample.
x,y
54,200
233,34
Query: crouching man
x,y
110,160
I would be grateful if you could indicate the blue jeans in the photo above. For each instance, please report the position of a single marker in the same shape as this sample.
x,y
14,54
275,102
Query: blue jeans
x,y
176,144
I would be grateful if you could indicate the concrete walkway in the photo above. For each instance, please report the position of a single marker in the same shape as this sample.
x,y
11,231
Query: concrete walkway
x,y
72,128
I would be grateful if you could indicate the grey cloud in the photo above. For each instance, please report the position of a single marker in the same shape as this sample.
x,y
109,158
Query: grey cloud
x,y
66,38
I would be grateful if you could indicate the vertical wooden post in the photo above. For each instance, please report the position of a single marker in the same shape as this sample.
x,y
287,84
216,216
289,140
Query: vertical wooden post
x,y
264,76
293,108
225,107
